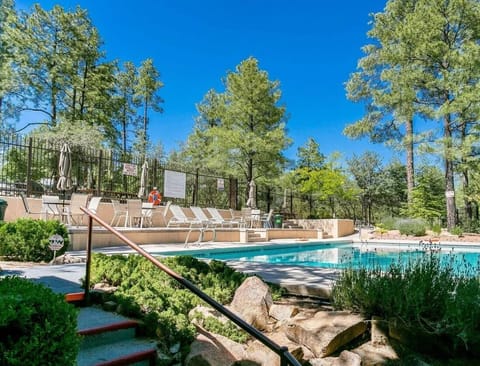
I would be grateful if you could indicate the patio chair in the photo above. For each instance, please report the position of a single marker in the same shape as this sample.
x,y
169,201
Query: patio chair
x,y
73,212
200,215
119,211
26,206
147,212
93,204
135,213
179,218
247,216
216,215
266,220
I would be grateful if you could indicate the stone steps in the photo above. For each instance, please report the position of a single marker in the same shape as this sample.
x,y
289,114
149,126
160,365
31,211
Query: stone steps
x,y
109,339
289,224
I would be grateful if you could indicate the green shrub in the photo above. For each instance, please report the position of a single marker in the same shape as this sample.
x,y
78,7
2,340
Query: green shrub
x,y
415,227
27,239
426,294
37,326
457,230
228,329
471,226
437,229
388,223
146,292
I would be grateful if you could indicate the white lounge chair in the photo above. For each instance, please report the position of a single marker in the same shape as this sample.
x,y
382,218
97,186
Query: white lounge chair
x,y
179,218
216,215
207,221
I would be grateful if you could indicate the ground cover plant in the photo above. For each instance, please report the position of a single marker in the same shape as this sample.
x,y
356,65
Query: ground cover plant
x,y
428,296
27,240
37,326
143,291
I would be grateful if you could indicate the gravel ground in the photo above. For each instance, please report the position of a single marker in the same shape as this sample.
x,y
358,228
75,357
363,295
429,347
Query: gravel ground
x,y
444,237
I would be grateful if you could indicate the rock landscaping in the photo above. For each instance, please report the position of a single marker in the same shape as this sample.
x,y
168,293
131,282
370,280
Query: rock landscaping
x,y
315,337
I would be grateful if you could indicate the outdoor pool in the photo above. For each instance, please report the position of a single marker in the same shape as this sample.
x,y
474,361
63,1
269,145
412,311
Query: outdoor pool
x,y
341,255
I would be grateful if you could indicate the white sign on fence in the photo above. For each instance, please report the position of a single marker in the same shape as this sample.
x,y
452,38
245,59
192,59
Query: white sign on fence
x,y
175,184
129,169
220,184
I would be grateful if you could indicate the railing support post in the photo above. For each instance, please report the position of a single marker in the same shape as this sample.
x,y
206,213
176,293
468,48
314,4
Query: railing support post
x,y
89,260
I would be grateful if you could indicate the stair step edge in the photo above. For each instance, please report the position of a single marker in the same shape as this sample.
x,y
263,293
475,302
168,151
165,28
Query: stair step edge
x,y
108,327
118,353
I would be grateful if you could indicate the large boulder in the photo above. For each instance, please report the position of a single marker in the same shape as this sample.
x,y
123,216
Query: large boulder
x,y
326,331
261,354
252,302
346,358
282,312
210,349
376,354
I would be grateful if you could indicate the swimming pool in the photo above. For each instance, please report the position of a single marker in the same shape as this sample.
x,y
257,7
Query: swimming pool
x,y
343,255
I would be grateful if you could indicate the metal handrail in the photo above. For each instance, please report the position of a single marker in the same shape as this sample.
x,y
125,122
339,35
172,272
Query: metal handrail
x,y
286,357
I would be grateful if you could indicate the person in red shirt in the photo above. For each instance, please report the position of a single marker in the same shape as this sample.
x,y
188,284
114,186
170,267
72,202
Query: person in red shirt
x,y
155,197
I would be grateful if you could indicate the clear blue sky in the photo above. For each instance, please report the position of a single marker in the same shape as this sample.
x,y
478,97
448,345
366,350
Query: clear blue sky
x,y
310,46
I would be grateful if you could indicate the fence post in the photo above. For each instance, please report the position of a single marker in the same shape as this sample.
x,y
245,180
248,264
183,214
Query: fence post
x,y
29,167
99,175
154,173
233,189
195,189
269,198
291,202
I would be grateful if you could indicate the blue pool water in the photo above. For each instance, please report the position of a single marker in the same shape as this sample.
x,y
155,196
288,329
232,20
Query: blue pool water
x,y
341,256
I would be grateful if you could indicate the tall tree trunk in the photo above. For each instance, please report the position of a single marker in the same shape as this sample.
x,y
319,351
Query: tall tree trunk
x,y
83,96
465,180
449,178
249,175
74,104
466,199
124,130
410,163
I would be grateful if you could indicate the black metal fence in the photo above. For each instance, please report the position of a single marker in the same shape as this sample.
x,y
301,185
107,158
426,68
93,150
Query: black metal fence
x,y
31,166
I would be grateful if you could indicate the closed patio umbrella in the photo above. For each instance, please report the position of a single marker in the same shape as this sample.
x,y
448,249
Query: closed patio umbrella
x,y
143,180
64,169
251,202
89,178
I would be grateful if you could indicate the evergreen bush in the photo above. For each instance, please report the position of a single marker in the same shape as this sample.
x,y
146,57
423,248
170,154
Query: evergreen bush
x,y
37,326
27,240
147,293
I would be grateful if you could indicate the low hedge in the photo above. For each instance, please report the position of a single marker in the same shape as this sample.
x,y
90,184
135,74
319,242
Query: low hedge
x,y
37,326
414,227
27,240
145,292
